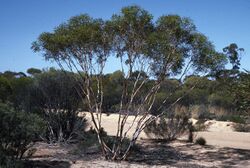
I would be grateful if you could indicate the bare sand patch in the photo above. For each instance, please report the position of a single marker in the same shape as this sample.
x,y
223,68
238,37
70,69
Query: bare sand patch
x,y
219,133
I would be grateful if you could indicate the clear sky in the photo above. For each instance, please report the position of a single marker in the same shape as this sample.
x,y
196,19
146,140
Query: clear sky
x,y
21,22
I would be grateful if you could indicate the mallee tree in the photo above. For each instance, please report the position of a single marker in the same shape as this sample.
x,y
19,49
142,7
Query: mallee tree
x,y
148,52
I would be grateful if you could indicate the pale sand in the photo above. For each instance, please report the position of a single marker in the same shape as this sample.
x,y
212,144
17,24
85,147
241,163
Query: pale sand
x,y
175,154
219,133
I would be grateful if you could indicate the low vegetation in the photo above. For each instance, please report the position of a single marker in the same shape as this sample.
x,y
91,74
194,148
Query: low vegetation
x,y
168,128
19,130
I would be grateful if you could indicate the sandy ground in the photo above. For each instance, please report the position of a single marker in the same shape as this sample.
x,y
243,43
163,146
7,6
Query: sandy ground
x,y
225,148
218,133
238,140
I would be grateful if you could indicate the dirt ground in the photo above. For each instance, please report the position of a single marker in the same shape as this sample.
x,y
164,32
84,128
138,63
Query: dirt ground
x,y
225,148
152,154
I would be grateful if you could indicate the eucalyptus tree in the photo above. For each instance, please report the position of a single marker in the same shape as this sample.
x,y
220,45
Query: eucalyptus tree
x,y
233,53
148,53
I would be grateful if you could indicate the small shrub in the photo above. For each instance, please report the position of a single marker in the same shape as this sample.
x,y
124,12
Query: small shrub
x,y
168,128
200,141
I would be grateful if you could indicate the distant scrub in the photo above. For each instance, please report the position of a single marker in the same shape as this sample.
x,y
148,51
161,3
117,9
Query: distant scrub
x,y
232,118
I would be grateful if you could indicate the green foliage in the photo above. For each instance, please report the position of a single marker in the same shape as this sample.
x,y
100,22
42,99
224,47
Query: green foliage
x,y
33,71
130,30
112,91
132,36
80,32
233,53
20,97
11,75
18,130
178,36
5,89
57,98
220,99
200,141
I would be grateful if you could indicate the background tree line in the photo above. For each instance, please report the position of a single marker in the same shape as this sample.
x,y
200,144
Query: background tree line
x,y
40,89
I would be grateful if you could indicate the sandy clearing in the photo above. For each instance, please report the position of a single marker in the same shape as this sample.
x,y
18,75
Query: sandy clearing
x,y
219,133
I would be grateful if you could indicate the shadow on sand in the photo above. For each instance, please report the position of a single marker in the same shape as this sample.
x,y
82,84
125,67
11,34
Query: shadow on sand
x,y
46,164
152,153
189,155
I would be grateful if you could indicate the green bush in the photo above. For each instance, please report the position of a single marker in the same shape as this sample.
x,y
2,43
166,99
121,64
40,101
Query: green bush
x,y
56,97
18,130
200,141
232,118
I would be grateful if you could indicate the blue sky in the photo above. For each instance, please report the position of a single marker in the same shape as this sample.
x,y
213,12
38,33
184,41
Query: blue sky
x,y
21,22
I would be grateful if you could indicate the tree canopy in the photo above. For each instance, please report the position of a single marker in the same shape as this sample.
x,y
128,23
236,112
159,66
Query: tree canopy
x,y
166,46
